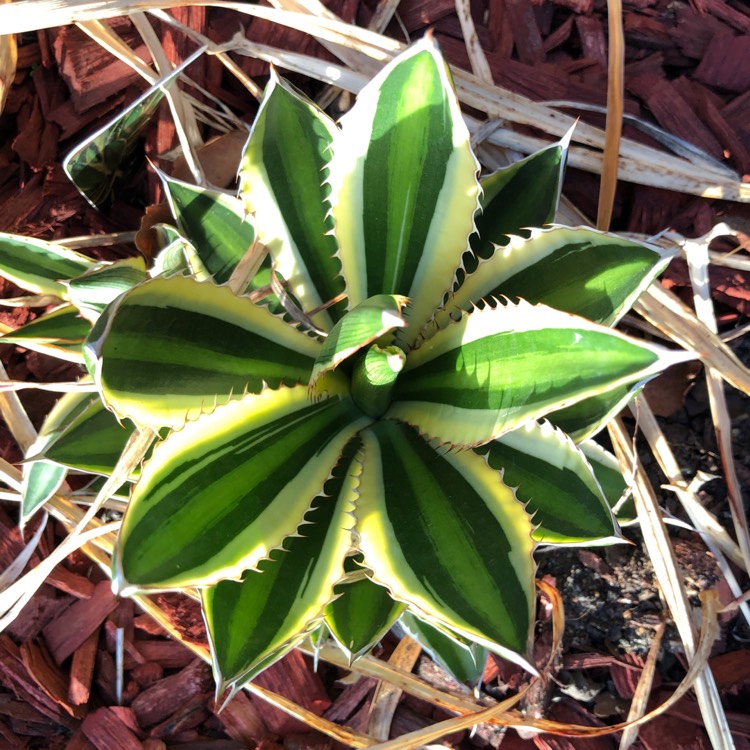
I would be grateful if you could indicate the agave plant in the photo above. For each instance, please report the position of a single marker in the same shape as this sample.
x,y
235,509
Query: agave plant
x,y
391,431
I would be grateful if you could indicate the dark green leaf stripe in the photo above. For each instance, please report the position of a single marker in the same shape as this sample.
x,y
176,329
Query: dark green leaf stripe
x,y
61,325
499,367
404,202
406,169
222,492
361,615
555,480
587,417
446,534
582,271
38,266
282,180
95,289
172,348
93,441
215,224
272,608
522,195
614,486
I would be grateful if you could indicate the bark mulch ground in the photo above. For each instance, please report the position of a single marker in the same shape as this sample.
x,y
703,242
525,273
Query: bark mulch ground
x,y
687,70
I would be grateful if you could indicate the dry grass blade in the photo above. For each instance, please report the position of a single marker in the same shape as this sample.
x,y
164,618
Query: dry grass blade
x,y
15,569
615,109
643,690
387,695
15,597
637,163
75,386
477,58
678,322
8,59
14,415
697,257
711,530
662,557
183,115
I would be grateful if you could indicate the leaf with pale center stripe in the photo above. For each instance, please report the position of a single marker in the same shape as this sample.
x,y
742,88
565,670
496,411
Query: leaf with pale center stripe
x,y
367,322
172,348
94,290
59,333
93,441
403,185
582,271
556,482
215,223
500,366
39,266
220,494
271,609
444,533
361,615
282,183
42,478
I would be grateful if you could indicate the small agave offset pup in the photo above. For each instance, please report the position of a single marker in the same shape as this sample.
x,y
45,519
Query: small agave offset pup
x,y
395,449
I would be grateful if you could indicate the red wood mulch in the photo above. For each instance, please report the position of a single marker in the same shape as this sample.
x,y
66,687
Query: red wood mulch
x,y
688,69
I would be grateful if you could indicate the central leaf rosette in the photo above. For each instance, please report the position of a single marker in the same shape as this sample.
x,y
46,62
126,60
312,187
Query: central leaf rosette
x,y
346,470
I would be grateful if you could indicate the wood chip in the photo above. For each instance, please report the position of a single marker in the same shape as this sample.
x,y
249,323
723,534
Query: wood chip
x,y
726,63
106,730
82,670
242,719
166,696
67,632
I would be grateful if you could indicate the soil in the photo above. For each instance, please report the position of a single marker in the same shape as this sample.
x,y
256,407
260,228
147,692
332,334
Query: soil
x,y
57,679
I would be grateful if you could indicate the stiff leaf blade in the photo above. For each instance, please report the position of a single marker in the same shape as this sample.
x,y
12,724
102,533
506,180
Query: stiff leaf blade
x,y
39,266
445,535
282,183
606,468
42,478
172,348
367,322
557,484
587,417
578,270
253,622
404,185
97,288
522,195
498,367
361,615
92,441
59,333
94,165
215,224
220,494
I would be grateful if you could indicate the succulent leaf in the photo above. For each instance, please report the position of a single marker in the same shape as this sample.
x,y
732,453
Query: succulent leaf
x,y
172,348
445,534
557,484
282,183
220,494
273,607
498,367
404,185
